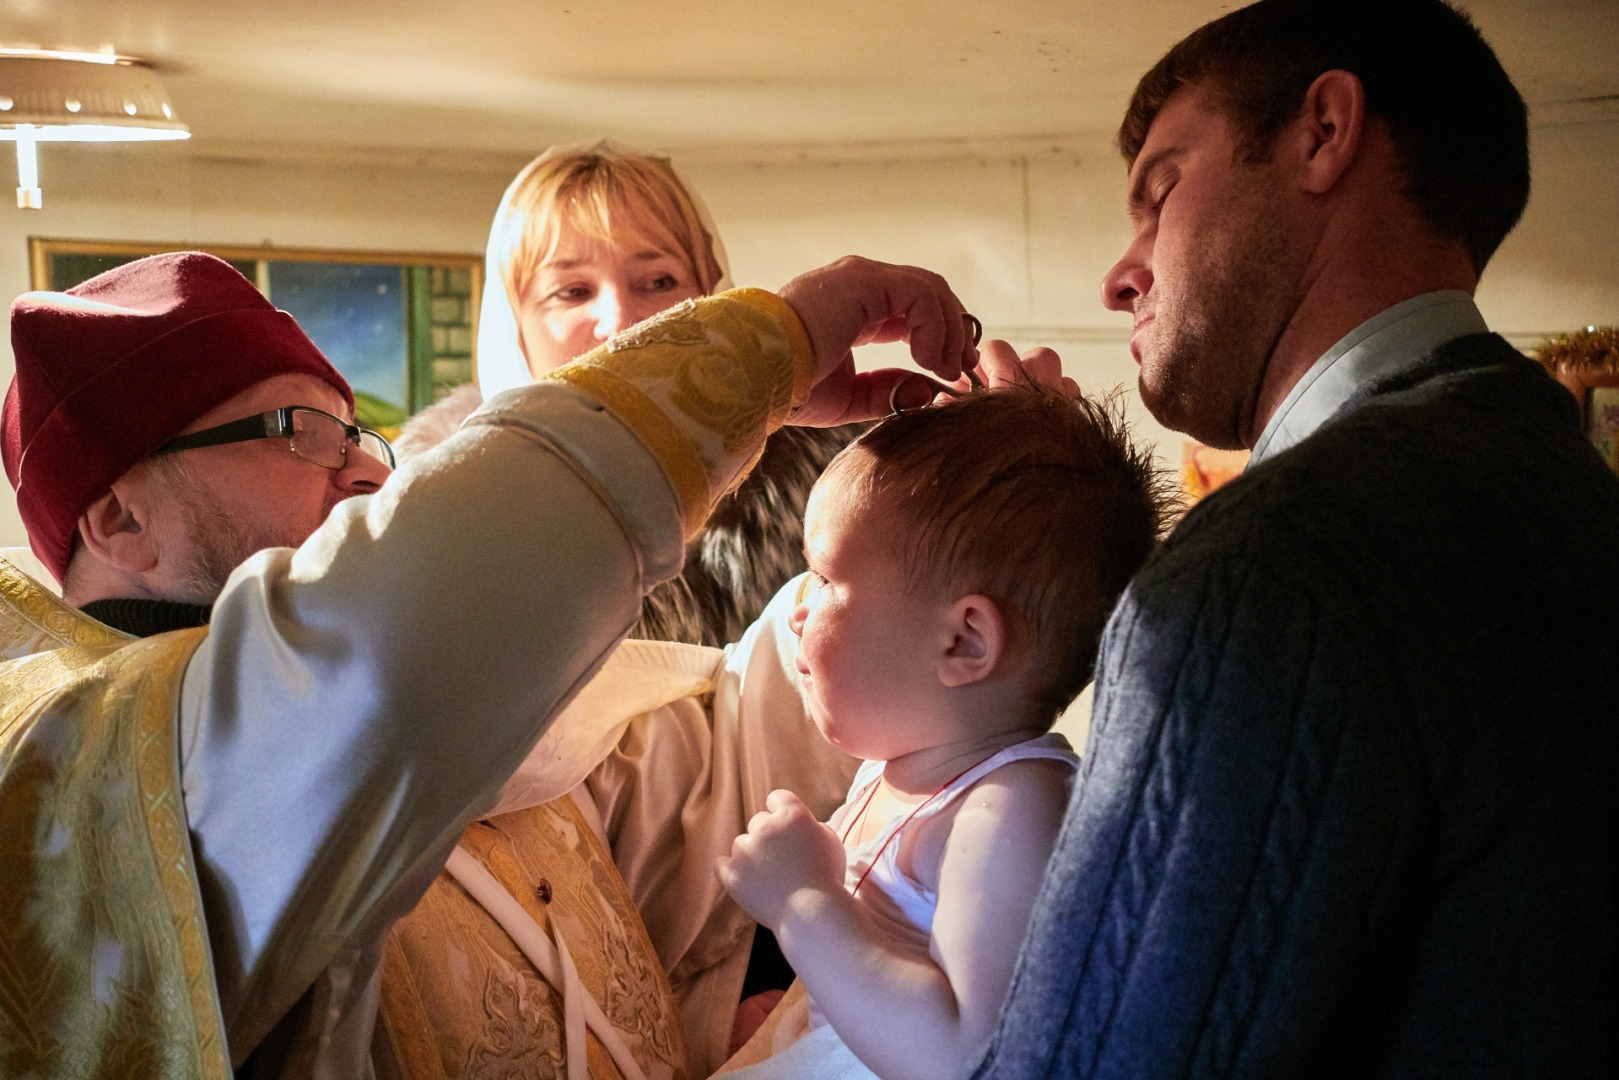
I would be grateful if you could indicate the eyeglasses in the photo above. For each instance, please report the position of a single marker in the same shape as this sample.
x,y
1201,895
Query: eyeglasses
x,y
312,434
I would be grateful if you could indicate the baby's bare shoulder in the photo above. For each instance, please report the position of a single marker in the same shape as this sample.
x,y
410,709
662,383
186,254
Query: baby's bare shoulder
x,y
1030,784
1019,804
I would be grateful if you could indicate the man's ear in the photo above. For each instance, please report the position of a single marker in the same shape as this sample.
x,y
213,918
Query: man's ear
x,y
1329,129
975,629
114,530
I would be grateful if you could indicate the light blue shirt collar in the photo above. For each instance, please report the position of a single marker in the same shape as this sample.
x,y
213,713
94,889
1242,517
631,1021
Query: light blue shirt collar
x,y
1385,344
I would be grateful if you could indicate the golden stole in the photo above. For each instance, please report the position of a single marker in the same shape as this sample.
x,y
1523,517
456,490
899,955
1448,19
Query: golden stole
x,y
104,962
460,1001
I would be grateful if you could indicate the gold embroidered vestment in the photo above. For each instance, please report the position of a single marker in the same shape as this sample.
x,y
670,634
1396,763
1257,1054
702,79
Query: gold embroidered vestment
x,y
461,1002
104,961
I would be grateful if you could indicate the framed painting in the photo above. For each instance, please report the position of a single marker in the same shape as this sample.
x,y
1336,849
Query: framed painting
x,y
1602,420
402,328
1587,363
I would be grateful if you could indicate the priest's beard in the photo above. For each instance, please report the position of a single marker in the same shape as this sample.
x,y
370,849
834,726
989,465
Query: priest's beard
x,y
1217,321
221,540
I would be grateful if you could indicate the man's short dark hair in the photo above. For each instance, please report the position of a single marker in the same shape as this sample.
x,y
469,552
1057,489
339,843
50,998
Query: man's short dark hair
x,y
1457,121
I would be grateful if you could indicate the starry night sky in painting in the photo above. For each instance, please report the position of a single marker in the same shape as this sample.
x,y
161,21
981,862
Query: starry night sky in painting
x,y
355,313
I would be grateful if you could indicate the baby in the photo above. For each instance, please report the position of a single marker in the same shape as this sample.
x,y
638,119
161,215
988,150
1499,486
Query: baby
x,y
964,558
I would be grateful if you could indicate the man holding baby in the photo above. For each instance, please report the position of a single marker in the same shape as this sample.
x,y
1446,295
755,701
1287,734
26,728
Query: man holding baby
x,y
1348,807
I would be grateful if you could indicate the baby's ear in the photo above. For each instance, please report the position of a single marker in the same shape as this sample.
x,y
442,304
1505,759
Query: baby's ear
x,y
975,631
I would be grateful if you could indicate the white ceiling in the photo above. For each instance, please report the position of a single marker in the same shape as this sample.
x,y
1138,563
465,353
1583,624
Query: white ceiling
x,y
723,77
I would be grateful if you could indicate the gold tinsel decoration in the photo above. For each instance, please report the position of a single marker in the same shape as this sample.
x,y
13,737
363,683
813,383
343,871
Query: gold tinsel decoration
x,y
1596,348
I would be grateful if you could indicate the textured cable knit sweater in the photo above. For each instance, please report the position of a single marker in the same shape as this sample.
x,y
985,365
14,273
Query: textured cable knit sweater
x,y
1349,803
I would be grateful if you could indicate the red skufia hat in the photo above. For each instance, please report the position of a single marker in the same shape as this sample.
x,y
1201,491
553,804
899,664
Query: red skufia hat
x,y
114,368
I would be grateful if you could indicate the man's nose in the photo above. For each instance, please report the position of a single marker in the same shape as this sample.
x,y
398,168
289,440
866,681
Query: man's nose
x,y
1128,281
361,473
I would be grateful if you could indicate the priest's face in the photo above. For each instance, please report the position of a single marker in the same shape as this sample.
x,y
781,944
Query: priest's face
x,y
589,290
219,505
1212,277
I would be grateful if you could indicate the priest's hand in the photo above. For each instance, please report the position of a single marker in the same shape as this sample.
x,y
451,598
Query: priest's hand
x,y
856,301
1001,365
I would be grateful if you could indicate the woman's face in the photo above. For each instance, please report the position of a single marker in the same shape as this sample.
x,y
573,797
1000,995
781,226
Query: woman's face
x,y
590,290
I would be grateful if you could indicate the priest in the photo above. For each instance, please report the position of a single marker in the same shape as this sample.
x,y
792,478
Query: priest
x,y
209,829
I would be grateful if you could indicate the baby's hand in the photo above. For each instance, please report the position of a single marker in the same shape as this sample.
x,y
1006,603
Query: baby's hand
x,y
784,850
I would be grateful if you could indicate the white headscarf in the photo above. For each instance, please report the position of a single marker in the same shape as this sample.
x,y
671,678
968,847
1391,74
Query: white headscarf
x,y
501,364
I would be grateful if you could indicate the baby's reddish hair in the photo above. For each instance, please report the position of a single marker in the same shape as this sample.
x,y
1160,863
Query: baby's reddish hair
x,y
1023,494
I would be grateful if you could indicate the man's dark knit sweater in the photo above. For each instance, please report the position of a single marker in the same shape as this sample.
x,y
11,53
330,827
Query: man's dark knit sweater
x,y
1349,805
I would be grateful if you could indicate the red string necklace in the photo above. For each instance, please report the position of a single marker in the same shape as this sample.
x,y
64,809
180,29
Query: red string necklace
x,y
872,794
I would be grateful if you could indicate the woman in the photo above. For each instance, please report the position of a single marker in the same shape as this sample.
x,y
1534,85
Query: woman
x,y
586,242
671,748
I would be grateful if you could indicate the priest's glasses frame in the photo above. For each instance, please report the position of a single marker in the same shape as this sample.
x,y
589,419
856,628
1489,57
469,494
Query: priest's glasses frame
x,y
313,434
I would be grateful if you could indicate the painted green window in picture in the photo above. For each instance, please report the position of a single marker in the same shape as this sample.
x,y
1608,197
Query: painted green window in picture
x,y
443,330
400,332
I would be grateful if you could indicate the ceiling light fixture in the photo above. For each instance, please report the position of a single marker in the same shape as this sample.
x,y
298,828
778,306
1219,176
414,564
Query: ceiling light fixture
x,y
69,96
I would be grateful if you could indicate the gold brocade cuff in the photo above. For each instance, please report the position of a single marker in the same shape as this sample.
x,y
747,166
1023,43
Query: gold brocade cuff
x,y
781,311
702,385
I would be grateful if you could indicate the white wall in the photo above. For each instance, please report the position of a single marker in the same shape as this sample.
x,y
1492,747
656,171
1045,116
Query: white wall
x,y
1025,238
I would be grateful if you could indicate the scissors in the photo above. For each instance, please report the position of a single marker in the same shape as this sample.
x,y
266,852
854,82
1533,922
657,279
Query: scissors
x,y
939,387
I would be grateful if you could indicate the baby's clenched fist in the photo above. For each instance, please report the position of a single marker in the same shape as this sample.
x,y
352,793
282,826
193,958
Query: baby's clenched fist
x,y
785,850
